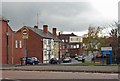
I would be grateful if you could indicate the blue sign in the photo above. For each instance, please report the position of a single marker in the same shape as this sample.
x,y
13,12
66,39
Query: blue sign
x,y
106,51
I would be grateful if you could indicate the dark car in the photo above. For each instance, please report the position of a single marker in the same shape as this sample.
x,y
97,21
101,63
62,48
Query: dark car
x,y
32,60
53,61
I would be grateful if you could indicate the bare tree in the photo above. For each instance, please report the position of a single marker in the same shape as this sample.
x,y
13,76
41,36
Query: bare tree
x,y
114,43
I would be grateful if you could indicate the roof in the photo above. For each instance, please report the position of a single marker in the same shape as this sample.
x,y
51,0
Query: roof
x,y
44,35
3,19
66,36
72,34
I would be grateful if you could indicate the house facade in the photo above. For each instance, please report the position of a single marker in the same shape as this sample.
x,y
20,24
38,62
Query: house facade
x,y
40,44
6,38
70,45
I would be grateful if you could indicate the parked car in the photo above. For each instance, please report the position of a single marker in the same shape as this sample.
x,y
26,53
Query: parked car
x,y
80,58
76,58
54,61
67,59
32,60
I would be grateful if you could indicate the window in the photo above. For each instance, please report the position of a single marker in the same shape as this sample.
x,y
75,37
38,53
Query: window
x,y
45,42
77,45
16,44
66,40
20,44
71,39
62,40
63,47
74,46
77,39
71,46
49,41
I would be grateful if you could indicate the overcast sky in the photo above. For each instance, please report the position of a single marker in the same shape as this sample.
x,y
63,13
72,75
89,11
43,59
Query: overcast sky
x,y
66,16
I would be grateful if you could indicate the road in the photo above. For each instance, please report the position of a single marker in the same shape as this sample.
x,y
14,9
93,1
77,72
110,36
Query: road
x,y
55,75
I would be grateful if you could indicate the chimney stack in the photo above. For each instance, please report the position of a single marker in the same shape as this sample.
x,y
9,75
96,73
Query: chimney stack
x,y
54,32
45,28
35,26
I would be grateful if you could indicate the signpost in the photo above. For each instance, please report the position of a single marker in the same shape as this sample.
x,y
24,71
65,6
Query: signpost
x,y
24,32
107,51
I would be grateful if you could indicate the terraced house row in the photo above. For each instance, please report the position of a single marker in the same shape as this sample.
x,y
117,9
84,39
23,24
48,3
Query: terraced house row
x,y
40,43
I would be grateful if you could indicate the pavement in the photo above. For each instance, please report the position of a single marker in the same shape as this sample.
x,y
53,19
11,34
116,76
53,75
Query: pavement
x,y
62,68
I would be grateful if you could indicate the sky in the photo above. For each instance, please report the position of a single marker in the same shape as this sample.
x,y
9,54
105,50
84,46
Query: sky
x,y
67,16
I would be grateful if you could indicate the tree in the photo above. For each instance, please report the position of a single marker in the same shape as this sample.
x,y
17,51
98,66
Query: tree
x,y
114,36
94,41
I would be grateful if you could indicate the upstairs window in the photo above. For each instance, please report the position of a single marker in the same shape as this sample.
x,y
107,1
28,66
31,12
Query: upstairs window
x,y
62,40
16,44
66,40
77,45
20,44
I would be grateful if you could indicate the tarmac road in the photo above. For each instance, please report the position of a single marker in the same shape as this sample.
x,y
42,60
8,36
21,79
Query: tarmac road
x,y
56,75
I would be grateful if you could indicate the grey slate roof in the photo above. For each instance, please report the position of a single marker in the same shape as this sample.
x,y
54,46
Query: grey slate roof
x,y
44,35
3,19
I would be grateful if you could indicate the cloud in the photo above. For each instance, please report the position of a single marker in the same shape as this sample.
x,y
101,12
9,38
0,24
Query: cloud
x,y
66,16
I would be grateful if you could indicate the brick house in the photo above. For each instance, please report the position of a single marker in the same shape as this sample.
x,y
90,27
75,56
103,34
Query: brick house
x,y
6,46
71,44
40,43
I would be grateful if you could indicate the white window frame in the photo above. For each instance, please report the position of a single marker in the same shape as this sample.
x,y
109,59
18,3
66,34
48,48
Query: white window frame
x,y
20,44
77,45
16,44
63,40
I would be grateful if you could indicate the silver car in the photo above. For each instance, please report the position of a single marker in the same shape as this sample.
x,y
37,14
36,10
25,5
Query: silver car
x,y
80,58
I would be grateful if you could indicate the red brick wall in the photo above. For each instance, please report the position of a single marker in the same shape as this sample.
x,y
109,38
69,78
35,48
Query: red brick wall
x,y
34,45
0,42
18,52
6,28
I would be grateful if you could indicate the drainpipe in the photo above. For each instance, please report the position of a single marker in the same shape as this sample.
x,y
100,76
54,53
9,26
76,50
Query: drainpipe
x,y
12,48
7,48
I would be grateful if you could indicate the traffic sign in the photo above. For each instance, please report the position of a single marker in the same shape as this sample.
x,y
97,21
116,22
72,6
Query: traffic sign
x,y
24,32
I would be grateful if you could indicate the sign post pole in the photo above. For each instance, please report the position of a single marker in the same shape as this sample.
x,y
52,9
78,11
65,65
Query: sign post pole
x,y
25,52
25,37
110,58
